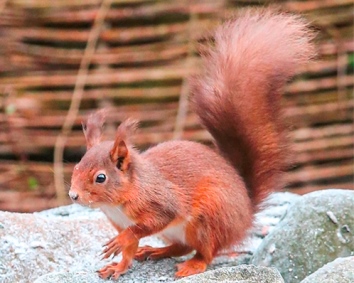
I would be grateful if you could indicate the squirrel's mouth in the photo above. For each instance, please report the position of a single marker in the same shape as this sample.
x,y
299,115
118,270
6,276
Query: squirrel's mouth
x,y
82,199
74,196
77,198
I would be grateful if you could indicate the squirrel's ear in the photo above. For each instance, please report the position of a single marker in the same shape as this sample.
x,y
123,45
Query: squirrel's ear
x,y
93,128
120,155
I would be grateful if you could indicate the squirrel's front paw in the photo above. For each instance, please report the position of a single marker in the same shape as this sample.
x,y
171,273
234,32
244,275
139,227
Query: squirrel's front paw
x,y
113,270
114,246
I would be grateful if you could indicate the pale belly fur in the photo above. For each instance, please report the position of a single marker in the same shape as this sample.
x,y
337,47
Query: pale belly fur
x,y
175,233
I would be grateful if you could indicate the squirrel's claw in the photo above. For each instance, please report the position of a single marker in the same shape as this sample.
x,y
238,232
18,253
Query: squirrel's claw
x,y
109,242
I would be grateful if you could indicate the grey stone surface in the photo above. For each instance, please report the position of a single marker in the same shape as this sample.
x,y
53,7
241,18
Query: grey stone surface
x,y
317,228
67,240
67,277
64,244
340,270
237,274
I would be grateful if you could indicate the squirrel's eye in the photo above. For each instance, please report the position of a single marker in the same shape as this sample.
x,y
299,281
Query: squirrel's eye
x,y
100,178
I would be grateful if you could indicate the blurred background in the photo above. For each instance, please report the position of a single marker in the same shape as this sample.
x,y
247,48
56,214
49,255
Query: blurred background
x,y
60,60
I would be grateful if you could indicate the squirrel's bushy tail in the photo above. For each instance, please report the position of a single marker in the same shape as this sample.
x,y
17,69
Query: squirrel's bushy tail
x,y
238,95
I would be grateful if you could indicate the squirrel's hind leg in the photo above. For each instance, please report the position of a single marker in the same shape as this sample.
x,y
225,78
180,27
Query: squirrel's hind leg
x,y
199,235
174,250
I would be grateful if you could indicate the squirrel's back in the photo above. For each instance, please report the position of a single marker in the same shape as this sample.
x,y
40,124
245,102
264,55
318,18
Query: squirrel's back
x,y
192,162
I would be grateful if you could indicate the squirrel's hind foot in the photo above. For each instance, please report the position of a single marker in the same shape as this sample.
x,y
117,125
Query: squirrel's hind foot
x,y
195,265
174,250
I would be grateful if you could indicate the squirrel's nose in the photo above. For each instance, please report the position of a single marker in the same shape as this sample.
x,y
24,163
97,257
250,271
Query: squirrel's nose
x,y
73,195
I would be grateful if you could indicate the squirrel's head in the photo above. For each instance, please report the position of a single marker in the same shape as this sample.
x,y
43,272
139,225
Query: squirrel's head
x,y
103,173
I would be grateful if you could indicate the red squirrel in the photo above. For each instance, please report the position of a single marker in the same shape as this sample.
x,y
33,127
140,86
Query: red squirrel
x,y
195,197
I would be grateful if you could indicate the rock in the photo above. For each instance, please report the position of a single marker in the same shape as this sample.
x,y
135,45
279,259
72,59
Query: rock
x,y
340,270
241,274
318,228
73,211
64,244
66,277
32,245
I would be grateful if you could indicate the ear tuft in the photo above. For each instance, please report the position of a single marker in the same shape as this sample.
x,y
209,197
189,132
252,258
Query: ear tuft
x,y
93,128
127,128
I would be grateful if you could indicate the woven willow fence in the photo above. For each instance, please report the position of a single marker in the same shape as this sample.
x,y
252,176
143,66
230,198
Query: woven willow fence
x,y
134,58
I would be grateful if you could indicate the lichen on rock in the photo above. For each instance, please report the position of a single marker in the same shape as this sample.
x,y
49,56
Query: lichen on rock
x,y
340,270
317,229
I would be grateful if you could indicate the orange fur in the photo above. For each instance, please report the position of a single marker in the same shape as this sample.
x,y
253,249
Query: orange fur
x,y
195,197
